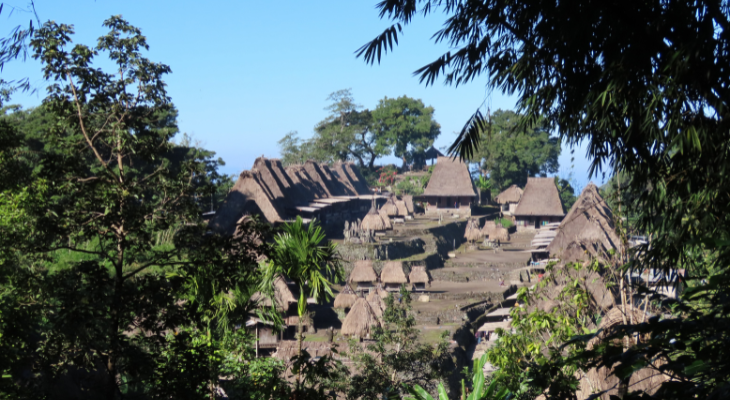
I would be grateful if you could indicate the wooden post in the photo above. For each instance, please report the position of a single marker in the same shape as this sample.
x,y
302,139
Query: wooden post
x,y
257,340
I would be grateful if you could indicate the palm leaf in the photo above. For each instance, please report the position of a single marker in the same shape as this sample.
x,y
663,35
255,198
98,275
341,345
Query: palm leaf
x,y
467,143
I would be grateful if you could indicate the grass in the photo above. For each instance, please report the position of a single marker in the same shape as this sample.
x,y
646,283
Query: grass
x,y
314,337
506,222
433,336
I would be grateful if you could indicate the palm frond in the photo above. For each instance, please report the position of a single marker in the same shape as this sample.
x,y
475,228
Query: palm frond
x,y
467,143
381,44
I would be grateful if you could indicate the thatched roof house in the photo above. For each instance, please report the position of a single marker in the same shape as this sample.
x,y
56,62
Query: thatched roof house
x,y
509,199
376,303
499,234
363,275
540,205
360,320
402,209
279,194
450,188
419,277
373,221
386,219
390,208
488,228
346,298
587,232
472,232
392,275
408,200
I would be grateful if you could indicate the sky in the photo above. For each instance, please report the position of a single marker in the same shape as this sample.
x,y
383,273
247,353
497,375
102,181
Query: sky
x,y
246,73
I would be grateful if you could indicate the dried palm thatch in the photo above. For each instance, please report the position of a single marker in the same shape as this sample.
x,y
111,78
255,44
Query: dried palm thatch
x,y
510,195
587,232
600,379
408,200
360,320
419,274
472,232
488,227
386,219
390,208
283,295
393,273
450,177
376,303
402,209
363,272
346,298
501,234
540,197
373,221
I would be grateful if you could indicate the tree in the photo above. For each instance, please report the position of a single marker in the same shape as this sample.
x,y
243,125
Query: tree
x,y
301,254
510,154
396,358
566,192
646,89
407,126
90,294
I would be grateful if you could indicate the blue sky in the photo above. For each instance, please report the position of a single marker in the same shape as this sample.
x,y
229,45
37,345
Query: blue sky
x,y
245,73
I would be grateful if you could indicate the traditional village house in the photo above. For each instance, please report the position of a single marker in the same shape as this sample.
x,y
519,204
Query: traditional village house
x,y
540,205
285,302
373,221
346,298
392,276
587,232
472,233
509,199
408,200
391,208
360,320
376,303
385,218
450,189
363,275
419,278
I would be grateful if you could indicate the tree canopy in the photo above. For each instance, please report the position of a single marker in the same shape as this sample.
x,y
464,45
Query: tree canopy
x,y
510,152
403,127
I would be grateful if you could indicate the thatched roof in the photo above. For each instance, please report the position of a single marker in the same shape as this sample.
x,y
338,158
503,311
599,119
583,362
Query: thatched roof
x,y
363,272
390,208
393,273
432,153
340,174
360,319
499,233
510,195
356,178
346,298
373,221
541,198
408,199
283,295
595,380
386,219
587,232
402,209
450,177
376,303
472,232
419,274
488,228
317,175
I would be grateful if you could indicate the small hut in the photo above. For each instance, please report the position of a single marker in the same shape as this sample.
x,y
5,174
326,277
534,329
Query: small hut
x,y
390,208
450,189
402,209
499,233
346,298
509,199
392,276
408,200
419,277
360,320
385,218
363,275
472,232
376,303
488,228
539,206
373,221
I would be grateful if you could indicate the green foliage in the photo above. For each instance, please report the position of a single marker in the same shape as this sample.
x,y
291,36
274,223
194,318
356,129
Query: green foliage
x,y
480,390
511,152
412,185
396,357
407,126
566,192
506,222
402,126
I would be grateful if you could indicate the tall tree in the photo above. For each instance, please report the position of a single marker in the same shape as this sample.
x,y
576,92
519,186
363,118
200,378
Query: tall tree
x,y
646,88
89,289
407,126
511,152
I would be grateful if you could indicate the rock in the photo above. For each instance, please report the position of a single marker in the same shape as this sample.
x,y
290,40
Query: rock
x,y
423,298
